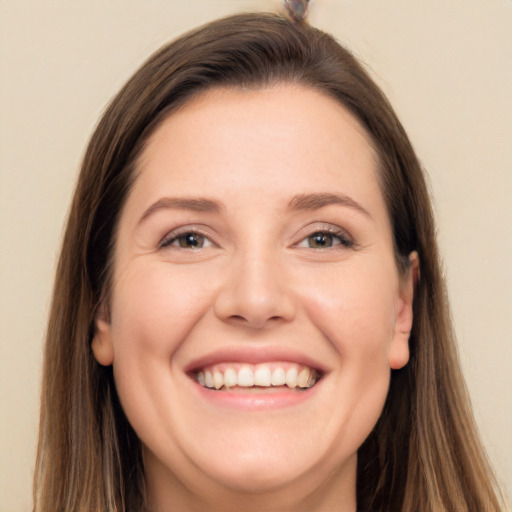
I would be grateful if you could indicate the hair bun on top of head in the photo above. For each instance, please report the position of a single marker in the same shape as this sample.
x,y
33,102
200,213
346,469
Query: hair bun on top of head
x,y
297,10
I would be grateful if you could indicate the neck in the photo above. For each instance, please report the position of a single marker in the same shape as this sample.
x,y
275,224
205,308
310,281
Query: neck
x,y
312,492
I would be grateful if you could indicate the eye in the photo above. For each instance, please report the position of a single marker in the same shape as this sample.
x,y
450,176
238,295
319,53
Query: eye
x,y
188,240
325,240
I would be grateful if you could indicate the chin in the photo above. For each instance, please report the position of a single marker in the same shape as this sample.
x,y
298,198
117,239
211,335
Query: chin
x,y
257,476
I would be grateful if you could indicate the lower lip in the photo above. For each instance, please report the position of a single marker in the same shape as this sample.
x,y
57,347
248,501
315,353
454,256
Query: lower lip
x,y
255,401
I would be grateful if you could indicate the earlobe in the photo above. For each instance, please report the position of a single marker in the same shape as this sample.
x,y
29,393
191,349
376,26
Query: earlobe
x,y
399,349
102,346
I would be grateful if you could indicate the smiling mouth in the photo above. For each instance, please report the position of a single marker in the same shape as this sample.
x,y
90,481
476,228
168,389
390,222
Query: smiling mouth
x,y
264,376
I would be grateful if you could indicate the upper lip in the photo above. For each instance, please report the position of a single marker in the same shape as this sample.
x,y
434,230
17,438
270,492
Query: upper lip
x,y
253,355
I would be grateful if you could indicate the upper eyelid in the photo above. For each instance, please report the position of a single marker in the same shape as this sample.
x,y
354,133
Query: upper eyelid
x,y
324,227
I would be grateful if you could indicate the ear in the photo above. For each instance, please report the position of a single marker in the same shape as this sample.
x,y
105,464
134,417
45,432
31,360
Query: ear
x,y
399,349
102,346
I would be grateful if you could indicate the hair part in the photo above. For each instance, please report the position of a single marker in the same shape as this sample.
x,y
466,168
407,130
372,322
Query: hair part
x,y
424,453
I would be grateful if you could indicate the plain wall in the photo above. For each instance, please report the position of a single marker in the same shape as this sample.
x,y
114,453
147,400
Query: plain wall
x,y
446,66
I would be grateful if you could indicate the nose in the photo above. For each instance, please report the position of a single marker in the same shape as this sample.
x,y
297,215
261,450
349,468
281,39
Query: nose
x,y
255,293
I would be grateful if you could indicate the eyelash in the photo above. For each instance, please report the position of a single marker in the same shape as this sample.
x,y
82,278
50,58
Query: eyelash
x,y
173,237
344,240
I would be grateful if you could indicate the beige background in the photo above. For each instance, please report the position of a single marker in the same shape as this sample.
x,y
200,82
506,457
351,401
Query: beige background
x,y
447,68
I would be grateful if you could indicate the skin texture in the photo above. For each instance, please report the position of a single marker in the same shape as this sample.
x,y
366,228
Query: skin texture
x,y
257,285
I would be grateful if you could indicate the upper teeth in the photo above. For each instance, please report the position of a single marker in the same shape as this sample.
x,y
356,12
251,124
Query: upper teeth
x,y
228,375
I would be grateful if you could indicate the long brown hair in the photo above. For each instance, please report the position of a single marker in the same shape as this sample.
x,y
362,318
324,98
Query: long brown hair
x,y
424,454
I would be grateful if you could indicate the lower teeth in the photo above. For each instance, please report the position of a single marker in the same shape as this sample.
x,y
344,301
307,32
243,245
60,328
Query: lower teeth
x,y
259,388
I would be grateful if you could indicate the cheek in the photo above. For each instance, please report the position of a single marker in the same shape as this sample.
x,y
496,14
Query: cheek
x,y
356,316
155,308
354,308
358,322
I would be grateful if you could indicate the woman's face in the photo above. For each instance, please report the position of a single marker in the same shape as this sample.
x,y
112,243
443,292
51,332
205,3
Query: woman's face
x,y
254,255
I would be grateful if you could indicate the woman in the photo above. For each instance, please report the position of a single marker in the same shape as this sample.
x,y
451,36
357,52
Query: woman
x,y
249,312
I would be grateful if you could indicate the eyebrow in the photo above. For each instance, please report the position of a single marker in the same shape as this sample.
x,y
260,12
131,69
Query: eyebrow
x,y
313,201
195,204
316,201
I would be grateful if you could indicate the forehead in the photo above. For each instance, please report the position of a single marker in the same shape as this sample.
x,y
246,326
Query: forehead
x,y
285,131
